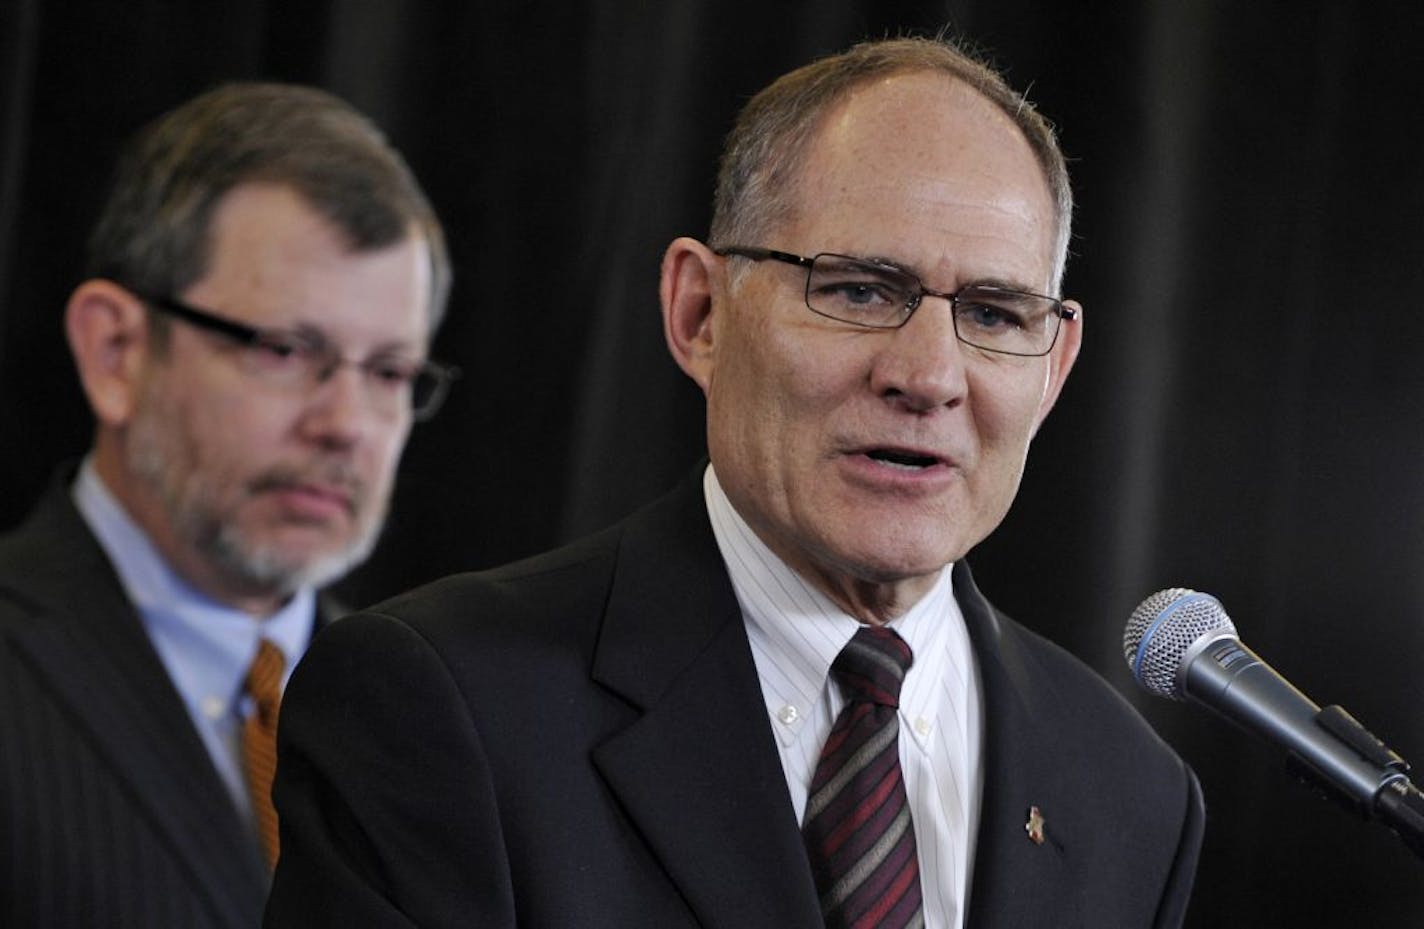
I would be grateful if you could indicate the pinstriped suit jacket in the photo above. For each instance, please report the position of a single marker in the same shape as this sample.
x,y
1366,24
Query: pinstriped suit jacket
x,y
111,813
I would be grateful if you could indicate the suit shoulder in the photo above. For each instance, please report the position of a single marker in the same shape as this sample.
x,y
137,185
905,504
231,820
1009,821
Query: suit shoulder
x,y
1080,696
526,597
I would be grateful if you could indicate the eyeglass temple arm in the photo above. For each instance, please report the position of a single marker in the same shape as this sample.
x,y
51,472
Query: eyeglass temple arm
x,y
761,254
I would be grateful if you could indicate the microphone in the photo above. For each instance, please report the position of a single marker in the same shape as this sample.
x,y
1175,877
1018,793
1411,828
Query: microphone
x,y
1180,644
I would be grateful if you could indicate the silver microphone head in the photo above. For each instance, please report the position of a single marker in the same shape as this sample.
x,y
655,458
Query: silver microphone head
x,y
1163,628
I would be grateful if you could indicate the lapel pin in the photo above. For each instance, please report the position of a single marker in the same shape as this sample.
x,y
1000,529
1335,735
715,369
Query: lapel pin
x,y
1034,826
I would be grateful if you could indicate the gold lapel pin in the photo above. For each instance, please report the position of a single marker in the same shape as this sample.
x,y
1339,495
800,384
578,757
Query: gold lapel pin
x,y
1034,826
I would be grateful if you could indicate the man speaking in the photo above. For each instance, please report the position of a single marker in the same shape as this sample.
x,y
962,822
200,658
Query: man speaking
x,y
774,698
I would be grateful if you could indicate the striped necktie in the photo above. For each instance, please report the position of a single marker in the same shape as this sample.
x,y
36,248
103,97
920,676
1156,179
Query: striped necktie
x,y
259,740
857,826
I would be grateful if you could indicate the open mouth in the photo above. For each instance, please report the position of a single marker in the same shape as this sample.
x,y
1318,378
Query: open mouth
x,y
898,459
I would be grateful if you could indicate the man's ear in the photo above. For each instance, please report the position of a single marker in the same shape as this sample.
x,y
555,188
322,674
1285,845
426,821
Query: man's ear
x,y
686,288
107,328
1061,358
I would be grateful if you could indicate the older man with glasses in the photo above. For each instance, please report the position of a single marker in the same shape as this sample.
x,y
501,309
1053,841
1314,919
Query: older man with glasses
x,y
775,699
264,282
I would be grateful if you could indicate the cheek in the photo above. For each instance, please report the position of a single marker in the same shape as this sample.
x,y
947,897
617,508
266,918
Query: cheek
x,y
232,436
772,388
1006,403
384,452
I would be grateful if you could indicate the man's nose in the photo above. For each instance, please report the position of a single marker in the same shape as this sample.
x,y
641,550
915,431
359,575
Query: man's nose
x,y
921,366
340,408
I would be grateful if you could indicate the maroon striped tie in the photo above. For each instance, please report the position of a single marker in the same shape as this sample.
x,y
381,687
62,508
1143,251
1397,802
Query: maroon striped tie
x,y
857,828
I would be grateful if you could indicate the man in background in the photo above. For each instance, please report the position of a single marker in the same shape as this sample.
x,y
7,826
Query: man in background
x,y
263,284
775,698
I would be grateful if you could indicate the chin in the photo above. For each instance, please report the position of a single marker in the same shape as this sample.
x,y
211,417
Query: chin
x,y
885,566
292,560
902,549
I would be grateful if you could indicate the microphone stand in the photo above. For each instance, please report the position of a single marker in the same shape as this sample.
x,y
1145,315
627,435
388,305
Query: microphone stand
x,y
1395,801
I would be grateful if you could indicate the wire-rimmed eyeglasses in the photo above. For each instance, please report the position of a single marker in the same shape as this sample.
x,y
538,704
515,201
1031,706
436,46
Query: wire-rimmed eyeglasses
x,y
294,358
878,295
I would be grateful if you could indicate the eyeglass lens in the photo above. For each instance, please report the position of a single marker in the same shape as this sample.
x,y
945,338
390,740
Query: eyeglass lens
x,y
865,293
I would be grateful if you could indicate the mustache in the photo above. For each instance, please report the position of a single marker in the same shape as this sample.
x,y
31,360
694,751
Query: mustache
x,y
338,476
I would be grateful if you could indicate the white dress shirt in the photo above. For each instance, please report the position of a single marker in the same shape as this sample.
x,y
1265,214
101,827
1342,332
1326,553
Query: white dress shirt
x,y
796,632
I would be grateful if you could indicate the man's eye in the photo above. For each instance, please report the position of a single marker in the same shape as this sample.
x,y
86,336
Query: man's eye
x,y
276,349
988,316
393,372
861,293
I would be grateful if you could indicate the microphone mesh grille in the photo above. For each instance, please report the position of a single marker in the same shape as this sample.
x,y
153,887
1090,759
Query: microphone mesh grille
x,y
1169,621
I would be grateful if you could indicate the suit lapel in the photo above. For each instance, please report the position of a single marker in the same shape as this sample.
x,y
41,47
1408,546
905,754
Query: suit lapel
x,y
700,776
1017,881
698,773
87,642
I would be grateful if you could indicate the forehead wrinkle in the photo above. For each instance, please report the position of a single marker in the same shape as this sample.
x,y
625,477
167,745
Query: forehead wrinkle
x,y
963,181
934,251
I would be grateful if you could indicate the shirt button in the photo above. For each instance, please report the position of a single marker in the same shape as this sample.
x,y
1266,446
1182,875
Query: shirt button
x,y
213,707
923,726
788,714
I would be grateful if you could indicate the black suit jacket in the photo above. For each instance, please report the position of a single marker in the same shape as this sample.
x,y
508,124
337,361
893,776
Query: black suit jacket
x,y
111,812
580,740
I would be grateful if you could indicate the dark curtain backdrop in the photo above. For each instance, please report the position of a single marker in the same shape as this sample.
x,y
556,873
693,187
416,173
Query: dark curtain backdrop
x,y
1245,417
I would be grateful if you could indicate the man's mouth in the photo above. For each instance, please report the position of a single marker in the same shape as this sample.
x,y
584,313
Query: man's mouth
x,y
312,497
910,461
314,501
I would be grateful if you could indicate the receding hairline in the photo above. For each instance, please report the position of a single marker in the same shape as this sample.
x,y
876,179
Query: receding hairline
x,y
764,153
154,229
414,230
818,129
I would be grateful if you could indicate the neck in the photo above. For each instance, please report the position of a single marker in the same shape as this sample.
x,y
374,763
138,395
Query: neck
x,y
873,603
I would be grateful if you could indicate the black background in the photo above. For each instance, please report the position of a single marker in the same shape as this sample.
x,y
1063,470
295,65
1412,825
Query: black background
x,y
1245,417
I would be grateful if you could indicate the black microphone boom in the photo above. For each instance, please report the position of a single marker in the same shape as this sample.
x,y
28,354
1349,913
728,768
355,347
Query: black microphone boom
x,y
1181,644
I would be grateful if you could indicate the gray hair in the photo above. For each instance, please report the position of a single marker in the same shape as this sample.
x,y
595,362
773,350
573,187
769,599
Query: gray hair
x,y
154,231
756,184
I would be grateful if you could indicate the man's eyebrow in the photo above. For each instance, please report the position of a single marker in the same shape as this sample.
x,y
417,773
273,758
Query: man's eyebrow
x,y
315,333
891,263
999,283
400,347
991,281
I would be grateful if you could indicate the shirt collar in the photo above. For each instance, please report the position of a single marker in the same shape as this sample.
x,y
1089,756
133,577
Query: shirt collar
x,y
205,645
803,630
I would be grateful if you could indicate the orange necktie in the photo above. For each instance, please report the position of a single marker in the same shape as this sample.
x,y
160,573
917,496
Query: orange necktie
x,y
259,740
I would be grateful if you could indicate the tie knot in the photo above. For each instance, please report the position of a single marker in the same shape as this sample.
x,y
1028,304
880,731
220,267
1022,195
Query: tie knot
x,y
264,677
872,666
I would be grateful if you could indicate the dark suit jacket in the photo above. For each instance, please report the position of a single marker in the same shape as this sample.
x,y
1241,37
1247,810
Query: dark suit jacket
x,y
580,740
111,812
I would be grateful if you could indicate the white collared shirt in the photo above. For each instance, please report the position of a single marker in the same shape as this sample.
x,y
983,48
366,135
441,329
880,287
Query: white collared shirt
x,y
796,632
205,646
